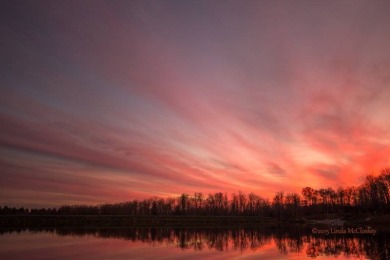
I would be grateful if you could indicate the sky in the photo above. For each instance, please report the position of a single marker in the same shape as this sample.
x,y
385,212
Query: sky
x,y
109,101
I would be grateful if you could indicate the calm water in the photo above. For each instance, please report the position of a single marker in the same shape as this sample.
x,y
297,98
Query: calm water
x,y
169,243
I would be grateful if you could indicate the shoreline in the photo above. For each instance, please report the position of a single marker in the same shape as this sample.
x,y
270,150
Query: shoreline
x,y
134,221
25,221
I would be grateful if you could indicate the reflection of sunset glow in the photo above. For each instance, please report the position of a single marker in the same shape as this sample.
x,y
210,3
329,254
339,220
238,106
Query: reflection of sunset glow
x,y
120,101
206,244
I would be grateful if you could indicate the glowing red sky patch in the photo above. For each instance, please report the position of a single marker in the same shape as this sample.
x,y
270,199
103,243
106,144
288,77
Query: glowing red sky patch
x,y
111,101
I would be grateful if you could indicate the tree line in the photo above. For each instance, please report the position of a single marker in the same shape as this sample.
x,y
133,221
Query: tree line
x,y
371,196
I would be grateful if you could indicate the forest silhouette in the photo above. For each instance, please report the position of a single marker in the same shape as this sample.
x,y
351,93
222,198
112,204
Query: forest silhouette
x,y
372,196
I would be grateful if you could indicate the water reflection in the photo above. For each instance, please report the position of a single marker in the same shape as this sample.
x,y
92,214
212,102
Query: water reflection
x,y
287,241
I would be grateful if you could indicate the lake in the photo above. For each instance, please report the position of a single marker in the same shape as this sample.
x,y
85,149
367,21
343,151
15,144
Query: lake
x,y
190,243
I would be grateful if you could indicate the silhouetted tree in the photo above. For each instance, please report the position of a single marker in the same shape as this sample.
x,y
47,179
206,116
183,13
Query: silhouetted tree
x,y
372,196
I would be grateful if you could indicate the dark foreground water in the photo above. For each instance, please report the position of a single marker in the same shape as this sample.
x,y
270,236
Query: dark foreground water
x,y
205,243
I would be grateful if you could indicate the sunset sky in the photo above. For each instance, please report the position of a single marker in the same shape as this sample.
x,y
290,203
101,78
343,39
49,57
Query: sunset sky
x,y
108,101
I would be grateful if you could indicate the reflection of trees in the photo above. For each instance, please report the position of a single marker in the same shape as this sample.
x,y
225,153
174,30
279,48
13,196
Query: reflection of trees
x,y
295,244
291,240
374,247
